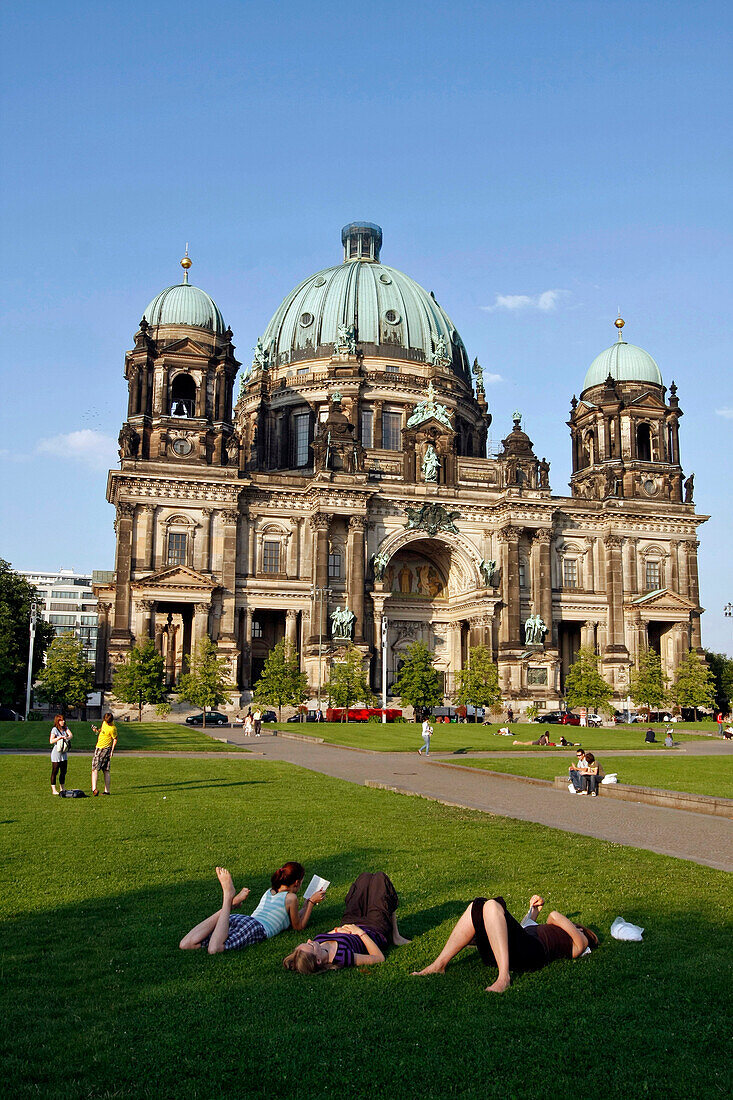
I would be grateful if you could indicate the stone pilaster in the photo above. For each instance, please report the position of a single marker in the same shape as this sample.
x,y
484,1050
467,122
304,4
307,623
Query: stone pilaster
x,y
123,568
510,635
543,596
614,594
291,628
356,575
320,524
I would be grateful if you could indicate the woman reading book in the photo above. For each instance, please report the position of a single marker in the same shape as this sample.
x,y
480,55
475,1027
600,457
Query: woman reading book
x,y
508,945
277,910
368,925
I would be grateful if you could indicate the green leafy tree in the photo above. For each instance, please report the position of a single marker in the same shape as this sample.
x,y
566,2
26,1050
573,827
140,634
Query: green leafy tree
x,y
281,684
140,679
348,682
418,684
694,683
722,670
647,685
584,685
68,677
16,596
205,683
478,683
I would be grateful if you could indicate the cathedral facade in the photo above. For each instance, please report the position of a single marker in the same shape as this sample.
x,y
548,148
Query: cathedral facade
x,y
349,494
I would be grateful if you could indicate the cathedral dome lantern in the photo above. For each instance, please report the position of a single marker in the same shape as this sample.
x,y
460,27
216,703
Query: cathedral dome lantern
x,y
623,362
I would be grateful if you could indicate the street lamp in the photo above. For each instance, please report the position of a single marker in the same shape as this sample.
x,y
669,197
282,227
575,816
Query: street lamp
x,y
384,668
319,593
34,616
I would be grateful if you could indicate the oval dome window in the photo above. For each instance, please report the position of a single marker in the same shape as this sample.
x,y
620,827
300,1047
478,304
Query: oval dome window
x,y
306,319
391,317
384,278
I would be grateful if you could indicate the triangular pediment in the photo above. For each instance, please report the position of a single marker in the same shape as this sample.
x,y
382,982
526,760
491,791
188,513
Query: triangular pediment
x,y
174,579
186,346
432,424
648,399
663,599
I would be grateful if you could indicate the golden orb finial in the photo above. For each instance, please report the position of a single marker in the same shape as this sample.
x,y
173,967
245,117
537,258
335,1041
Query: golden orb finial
x,y
185,264
619,323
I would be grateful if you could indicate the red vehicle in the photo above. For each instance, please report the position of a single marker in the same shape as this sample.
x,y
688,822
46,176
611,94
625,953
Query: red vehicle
x,y
361,714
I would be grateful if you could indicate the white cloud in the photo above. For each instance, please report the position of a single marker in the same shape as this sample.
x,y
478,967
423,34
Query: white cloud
x,y
725,411
491,379
546,301
94,449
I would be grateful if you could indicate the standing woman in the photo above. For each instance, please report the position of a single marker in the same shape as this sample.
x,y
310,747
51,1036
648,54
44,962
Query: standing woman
x,y
60,737
104,751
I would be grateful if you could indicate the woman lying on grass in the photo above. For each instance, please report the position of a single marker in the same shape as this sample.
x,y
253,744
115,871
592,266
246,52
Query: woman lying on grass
x,y
504,943
368,924
277,910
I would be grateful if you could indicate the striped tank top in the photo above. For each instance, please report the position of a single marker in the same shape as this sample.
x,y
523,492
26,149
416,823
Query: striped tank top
x,y
271,913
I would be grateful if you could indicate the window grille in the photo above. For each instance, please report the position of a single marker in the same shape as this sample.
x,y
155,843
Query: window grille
x,y
271,557
652,576
367,428
176,548
391,425
570,573
334,566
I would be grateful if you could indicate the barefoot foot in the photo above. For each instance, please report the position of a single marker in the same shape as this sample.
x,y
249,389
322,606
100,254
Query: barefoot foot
x,y
225,878
432,969
499,985
240,897
400,941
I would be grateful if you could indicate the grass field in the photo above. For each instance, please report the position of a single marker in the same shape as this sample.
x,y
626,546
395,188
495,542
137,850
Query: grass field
x,y
133,736
451,736
711,775
97,1000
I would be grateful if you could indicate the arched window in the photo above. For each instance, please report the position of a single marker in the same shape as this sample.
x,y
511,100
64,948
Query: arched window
x,y
589,448
644,443
183,396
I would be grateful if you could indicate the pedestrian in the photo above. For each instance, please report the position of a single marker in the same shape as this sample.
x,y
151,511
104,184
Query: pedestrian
x,y
509,715
427,733
719,720
248,725
104,751
60,737
257,720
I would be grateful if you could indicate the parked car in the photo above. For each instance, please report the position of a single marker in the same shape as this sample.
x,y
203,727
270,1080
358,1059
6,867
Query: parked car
x,y
307,716
213,718
595,720
9,715
269,716
558,718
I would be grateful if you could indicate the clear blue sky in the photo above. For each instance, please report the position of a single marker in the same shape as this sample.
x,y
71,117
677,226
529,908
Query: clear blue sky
x,y
508,150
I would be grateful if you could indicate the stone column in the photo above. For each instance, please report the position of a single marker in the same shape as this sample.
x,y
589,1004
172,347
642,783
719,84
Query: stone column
x,y
146,541
320,523
589,580
694,594
291,628
229,521
203,544
377,425
100,664
355,585
673,576
588,634
510,620
145,611
543,597
123,570
454,647
200,623
614,593
247,649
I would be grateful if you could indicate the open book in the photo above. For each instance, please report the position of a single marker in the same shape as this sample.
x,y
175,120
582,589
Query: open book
x,y
316,883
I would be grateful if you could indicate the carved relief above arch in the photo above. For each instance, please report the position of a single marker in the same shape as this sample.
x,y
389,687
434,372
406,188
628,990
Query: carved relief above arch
x,y
464,558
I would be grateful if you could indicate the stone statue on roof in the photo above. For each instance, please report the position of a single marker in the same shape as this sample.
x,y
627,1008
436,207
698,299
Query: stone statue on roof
x,y
440,355
430,408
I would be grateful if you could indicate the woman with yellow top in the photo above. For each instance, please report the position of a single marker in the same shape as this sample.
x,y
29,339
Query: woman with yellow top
x,y
103,753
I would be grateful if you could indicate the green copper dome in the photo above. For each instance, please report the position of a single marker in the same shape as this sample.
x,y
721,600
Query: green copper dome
x,y
624,362
390,314
184,304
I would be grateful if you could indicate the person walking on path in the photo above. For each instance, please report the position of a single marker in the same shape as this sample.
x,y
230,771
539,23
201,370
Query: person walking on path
x,y
104,751
508,945
427,733
60,737
248,725
257,719
277,910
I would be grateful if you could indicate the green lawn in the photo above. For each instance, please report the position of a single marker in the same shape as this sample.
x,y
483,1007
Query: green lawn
x,y
97,1001
140,736
711,775
450,736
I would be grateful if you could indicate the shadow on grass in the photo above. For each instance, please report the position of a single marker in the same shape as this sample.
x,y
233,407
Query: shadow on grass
x,y
195,785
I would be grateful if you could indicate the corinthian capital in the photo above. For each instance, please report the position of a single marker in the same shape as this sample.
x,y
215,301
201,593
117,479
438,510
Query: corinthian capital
x,y
543,534
319,521
229,516
357,523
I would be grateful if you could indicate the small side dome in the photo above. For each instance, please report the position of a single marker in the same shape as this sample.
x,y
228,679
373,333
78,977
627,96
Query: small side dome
x,y
187,305
624,362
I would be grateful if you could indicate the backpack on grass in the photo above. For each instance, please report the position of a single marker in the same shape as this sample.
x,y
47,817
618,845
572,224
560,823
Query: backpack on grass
x,y
73,794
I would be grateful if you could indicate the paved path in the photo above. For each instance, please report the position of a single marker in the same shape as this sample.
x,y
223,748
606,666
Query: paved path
x,y
697,837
